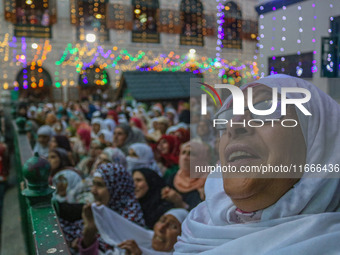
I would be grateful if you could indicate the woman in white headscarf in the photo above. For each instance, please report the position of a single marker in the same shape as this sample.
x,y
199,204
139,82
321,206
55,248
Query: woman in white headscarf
x,y
130,238
273,215
141,156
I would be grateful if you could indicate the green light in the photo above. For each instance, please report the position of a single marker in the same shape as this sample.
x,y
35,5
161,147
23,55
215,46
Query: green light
x,y
57,84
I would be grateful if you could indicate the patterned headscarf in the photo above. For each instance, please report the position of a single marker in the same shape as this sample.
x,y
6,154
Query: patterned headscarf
x,y
122,192
122,200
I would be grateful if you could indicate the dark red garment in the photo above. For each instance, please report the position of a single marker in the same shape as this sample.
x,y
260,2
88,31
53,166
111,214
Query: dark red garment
x,y
85,136
184,135
137,122
172,157
114,115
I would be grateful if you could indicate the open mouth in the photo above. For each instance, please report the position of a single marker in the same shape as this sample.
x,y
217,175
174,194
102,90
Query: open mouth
x,y
240,155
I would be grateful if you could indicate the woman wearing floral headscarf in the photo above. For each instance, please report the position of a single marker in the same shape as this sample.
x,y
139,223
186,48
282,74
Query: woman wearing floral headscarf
x,y
114,188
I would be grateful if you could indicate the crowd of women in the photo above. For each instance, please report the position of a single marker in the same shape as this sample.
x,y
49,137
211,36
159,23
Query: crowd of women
x,y
123,186
132,159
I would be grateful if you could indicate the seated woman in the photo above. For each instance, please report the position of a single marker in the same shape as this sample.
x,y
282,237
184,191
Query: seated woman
x,y
86,164
278,212
129,238
59,160
166,154
148,187
185,189
62,141
112,187
42,145
141,156
124,136
82,192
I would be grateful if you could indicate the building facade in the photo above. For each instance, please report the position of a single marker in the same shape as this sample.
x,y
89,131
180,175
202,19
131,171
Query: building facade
x,y
301,38
67,49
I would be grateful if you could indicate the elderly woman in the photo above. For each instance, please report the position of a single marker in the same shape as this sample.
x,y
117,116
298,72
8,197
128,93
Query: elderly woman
x,y
124,136
42,145
129,238
112,187
280,213
141,156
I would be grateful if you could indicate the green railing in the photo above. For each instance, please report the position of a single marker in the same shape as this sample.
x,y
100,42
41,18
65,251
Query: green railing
x,y
39,221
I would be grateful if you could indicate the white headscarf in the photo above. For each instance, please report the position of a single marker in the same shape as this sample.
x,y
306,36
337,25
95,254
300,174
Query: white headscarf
x,y
109,124
306,220
108,135
114,228
145,158
72,179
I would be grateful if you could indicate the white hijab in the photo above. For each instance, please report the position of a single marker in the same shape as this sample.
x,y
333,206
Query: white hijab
x,y
114,229
145,158
306,220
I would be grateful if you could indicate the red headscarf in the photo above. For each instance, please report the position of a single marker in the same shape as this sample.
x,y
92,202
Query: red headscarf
x,y
137,122
85,136
113,114
183,135
171,158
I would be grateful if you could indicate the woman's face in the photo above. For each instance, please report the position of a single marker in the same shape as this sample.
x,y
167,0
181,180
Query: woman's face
x,y
100,192
163,146
102,139
95,150
43,140
251,146
184,157
202,128
141,186
54,160
95,128
166,230
53,143
119,137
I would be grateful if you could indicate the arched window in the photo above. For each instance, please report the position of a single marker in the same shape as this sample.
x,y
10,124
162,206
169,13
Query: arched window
x,y
34,82
232,26
145,18
192,22
92,21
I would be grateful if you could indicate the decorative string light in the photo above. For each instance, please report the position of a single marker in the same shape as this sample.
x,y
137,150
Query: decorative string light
x,y
273,39
220,31
314,66
260,45
283,35
299,69
330,61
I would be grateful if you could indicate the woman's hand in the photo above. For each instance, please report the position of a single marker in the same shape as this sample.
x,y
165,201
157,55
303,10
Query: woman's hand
x,y
90,229
174,197
131,247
